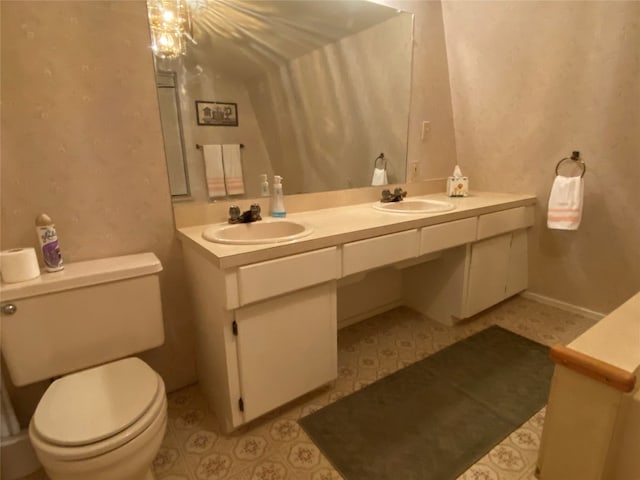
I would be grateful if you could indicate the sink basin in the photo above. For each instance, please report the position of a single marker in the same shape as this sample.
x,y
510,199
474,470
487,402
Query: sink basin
x,y
416,205
257,232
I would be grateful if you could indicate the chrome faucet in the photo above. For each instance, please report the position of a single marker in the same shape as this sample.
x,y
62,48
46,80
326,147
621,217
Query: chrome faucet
x,y
251,215
397,195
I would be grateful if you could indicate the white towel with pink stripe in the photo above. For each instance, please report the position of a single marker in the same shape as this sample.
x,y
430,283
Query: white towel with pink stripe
x,y
233,178
214,170
565,203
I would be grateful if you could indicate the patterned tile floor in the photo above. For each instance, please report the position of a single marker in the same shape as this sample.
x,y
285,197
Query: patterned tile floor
x,y
276,448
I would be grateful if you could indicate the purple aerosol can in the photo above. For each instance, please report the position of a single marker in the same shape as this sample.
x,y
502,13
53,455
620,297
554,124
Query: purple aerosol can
x,y
49,243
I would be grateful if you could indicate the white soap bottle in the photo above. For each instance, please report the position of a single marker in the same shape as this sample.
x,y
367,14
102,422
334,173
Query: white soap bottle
x,y
277,200
264,186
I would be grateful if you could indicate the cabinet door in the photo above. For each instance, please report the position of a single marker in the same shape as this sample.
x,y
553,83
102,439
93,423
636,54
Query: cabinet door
x,y
287,346
488,273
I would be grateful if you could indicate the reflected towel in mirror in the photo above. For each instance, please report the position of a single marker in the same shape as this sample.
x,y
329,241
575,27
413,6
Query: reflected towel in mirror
x,y
379,177
234,181
214,170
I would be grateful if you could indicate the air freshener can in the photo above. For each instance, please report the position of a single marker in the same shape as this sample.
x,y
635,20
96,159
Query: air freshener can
x,y
49,243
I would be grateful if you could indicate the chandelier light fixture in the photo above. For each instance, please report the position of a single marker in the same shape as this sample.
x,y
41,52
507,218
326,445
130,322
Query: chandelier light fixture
x,y
170,23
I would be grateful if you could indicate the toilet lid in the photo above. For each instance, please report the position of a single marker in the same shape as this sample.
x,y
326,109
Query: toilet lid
x,y
95,404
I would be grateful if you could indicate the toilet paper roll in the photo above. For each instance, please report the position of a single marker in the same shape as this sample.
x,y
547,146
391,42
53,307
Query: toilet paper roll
x,y
18,265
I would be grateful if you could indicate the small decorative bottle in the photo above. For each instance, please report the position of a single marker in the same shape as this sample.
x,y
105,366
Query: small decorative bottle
x,y
49,243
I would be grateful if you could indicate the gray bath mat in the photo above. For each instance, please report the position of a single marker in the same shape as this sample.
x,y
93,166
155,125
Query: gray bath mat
x,y
435,418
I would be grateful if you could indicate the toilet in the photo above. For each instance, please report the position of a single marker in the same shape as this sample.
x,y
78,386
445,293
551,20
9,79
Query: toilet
x,y
105,415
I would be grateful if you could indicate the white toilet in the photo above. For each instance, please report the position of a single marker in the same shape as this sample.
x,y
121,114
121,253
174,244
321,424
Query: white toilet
x,y
105,422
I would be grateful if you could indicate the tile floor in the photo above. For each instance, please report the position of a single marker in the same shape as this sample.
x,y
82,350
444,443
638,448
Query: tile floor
x,y
276,448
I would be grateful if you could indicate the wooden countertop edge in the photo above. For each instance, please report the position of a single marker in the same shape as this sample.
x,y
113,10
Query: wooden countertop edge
x,y
594,368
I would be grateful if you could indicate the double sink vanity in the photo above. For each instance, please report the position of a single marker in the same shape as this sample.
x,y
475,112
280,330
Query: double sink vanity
x,y
266,294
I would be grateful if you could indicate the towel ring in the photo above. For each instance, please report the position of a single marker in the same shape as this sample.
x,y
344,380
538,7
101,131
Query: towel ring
x,y
384,161
575,157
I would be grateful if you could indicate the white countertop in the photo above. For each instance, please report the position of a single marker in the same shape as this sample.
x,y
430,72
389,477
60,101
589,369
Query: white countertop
x,y
334,226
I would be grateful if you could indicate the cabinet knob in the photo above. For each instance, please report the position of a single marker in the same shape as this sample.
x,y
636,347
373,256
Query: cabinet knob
x,y
8,309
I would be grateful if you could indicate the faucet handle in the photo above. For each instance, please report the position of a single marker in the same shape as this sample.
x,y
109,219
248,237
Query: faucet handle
x,y
255,211
399,192
234,213
385,196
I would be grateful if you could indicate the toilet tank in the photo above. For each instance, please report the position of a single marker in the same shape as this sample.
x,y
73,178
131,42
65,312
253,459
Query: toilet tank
x,y
90,313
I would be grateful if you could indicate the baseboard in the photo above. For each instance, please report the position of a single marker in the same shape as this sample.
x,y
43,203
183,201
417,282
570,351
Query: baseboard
x,y
345,322
18,457
568,307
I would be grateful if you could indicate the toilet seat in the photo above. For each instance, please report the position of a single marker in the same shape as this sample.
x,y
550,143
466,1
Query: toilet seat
x,y
97,410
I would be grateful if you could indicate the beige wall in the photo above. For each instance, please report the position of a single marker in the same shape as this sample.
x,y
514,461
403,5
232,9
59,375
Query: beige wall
x,y
532,81
435,154
81,141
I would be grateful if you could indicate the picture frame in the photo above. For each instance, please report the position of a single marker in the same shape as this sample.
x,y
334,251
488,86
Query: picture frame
x,y
217,114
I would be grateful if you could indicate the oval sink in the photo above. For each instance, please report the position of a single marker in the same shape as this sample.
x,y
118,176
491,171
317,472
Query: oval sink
x,y
417,205
256,232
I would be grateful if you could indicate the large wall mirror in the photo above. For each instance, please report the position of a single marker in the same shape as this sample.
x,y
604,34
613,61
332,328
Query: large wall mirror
x,y
318,89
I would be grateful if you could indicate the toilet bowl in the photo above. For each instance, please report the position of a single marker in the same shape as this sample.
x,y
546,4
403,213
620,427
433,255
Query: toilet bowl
x,y
105,423
105,417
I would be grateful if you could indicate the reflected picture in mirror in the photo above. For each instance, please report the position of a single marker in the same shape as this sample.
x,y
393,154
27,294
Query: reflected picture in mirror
x,y
321,89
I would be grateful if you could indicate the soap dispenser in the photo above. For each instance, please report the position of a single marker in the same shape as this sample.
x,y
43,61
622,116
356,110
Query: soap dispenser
x,y
264,185
277,200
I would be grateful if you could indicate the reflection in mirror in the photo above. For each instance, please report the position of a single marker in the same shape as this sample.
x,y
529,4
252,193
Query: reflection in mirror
x,y
321,88
171,121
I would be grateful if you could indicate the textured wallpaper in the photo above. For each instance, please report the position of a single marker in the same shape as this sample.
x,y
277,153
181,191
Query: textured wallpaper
x,y
81,141
435,152
531,82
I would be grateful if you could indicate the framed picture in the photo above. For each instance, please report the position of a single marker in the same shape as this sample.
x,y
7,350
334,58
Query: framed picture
x,y
217,114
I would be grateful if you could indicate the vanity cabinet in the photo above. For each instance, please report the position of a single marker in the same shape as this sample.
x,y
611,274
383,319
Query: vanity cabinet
x,y
474,276
498,266
263,340
266,331
498,269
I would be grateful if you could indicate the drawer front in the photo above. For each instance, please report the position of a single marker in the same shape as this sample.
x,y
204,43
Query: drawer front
x,y
275,277
376,252
496,223
447,235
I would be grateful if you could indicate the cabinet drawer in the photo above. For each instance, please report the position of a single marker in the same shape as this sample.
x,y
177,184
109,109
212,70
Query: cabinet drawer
x,y
376,252
447,235
275,277
496,223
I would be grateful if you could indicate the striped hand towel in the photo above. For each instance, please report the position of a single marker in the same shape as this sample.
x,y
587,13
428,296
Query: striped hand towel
x,y
565,203
233,180
214,170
